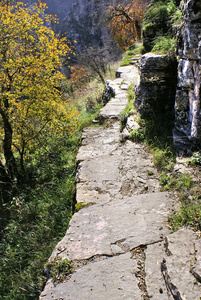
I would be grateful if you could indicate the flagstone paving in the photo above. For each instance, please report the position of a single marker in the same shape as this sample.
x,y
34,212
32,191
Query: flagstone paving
x,y
120,244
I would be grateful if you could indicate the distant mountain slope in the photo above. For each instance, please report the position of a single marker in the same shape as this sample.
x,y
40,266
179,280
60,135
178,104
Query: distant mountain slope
x,y
86,23
81,20
59,7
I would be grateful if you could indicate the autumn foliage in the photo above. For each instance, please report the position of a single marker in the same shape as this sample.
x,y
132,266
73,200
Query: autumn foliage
x,y
78,77
125,22
30,99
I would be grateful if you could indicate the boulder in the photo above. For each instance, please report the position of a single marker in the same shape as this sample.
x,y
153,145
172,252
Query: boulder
x,y
156,90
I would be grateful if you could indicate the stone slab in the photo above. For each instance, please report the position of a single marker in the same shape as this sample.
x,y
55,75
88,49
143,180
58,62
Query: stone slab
x,y
112,279
132,221
181,245
87,194
196,268
99,170
154,280
178,255
97,141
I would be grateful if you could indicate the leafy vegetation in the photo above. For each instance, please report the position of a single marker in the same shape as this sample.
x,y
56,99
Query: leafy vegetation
x,y
188,215
129,56
40,210
125,22
188,188
164,45
159,20
45,120
31,106
38,216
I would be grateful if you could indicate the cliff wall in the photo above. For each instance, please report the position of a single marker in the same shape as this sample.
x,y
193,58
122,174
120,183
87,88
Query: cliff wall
x,y
164,86
156,90
188,94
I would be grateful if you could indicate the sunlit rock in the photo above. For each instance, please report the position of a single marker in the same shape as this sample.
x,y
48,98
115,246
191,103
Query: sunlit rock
x,y
188,94
156,92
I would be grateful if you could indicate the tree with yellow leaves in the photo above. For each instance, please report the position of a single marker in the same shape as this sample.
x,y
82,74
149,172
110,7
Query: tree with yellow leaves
x,y
30,74
125,22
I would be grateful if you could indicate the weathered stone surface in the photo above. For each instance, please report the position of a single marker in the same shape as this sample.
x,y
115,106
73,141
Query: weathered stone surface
x,y
156,90
118,243
137,220
112,278
179,263
187,102
116,105
168,267
131,124
155,283
196,268
110,168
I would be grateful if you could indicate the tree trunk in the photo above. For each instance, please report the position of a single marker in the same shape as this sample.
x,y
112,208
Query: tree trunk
x,y
5,185
7,147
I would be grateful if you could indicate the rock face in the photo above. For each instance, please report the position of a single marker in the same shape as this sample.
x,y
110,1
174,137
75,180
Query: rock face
x,y
86,24
188,94
156,91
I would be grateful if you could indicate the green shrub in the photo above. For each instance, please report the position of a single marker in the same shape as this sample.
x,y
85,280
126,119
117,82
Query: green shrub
x,y
164,44
135,51
157,15
195,159
159,20
137,136
162,157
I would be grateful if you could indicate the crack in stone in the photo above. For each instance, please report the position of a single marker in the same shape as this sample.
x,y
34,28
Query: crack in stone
x,y
125,248
195,274
192,270
167,250
172,289
139,254
148,244
98,257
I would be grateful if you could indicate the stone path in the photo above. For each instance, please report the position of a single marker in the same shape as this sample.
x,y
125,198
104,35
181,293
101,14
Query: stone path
x,y
120,243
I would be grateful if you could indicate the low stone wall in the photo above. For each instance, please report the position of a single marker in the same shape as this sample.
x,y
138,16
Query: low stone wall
x,y
156,90
188,94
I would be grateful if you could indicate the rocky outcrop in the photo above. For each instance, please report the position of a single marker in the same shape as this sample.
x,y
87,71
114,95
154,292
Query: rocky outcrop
x,y
188,94
156,91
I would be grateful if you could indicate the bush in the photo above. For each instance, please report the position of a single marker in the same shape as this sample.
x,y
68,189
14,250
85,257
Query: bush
x,y
159,20
163,45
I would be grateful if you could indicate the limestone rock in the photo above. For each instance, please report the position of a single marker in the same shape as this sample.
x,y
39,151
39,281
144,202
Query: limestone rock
x,y
188,94
111,278
156,91
168,267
